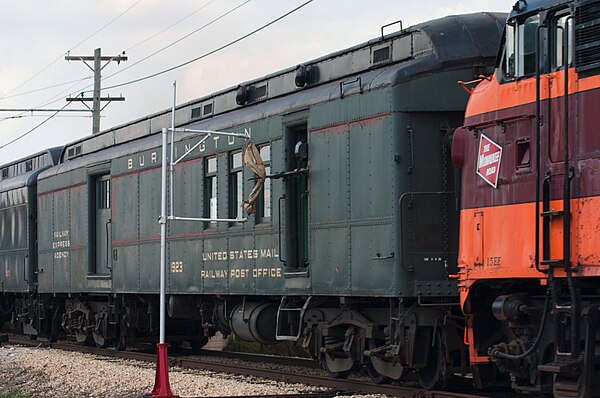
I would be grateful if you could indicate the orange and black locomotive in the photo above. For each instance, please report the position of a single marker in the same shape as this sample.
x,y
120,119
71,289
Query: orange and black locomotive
x,y
530,219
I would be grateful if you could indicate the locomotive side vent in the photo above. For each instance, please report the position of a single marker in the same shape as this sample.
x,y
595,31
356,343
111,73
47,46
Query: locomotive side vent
x,y
207,109
196,112
587,37
381,54
202,110
260,92
73,151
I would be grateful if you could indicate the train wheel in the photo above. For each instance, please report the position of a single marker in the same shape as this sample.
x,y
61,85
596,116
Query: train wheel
x,y
435,374
99,339
81,338
375,376
567,387
380,370
331,364
119,343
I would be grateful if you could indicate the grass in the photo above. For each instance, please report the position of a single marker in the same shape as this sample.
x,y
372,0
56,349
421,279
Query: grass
x,y
7,327
11,394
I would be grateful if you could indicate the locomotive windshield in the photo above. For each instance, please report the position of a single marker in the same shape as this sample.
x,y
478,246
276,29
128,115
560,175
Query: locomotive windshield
x,y
520,47
520,44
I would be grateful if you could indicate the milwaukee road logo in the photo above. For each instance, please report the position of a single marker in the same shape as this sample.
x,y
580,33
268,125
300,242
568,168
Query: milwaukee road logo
x,y
488,160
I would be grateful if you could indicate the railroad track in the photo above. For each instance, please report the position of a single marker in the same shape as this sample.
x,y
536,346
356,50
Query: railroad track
x,y
335,386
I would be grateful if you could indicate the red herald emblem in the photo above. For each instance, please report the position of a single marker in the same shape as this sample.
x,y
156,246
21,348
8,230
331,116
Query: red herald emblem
x,y
488,161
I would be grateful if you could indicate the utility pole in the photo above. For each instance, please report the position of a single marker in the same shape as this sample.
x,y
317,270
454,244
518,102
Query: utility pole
x,y
96,99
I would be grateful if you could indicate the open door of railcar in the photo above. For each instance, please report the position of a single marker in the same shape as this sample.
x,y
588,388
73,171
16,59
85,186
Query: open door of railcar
x,y
100,227
296,190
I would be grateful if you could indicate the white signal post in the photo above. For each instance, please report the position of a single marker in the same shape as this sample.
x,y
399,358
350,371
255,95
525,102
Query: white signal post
x,y
162,388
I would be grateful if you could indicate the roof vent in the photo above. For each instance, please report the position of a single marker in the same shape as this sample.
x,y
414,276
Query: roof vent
x,y
260,91
73,151
381,54
207,109
202,110
196,112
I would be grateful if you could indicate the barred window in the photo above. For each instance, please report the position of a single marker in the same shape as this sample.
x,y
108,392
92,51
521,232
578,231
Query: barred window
x,y
263,208
236,186
210,190
103,192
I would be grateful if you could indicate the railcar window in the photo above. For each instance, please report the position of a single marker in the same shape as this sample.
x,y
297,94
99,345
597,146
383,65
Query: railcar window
x,y
520,47
236,188
509,56
403,48
210,189
263,209
103,192
561,25
421,44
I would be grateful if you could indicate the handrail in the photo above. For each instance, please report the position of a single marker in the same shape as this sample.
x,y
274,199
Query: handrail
x,y
390,24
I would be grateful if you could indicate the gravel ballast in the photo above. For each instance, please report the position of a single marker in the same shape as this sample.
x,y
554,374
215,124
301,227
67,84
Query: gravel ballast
x,y
45,372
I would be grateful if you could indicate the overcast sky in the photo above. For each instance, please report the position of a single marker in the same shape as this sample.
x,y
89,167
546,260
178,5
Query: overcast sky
x,y
37,34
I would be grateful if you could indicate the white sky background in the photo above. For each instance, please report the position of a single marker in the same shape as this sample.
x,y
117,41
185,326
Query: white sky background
x,y
34,33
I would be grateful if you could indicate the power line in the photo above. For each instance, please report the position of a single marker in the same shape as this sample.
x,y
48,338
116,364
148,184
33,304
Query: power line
x,y
7,95
210,52
56,116
61,95
170,26
105,26
96,99
67,52
172,68
31,110
34,128
179,40
31,78
46,88
52,100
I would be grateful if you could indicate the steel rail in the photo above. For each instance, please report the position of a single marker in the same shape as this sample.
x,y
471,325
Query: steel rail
x,y
345,385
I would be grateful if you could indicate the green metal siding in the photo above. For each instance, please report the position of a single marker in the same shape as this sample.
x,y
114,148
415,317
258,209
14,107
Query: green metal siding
x,y
14,241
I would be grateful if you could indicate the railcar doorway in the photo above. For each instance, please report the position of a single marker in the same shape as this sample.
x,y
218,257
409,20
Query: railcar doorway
x,y
296,197
100,226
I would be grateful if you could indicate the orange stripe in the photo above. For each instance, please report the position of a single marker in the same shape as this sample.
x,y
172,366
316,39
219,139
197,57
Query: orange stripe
x,y
499,242
490,95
